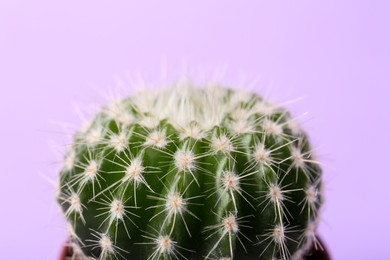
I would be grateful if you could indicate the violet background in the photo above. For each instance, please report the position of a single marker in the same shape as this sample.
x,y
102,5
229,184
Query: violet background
x,y
335,53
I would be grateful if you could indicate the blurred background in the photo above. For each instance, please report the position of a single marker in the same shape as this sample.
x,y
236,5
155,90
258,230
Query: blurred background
x,y
331,55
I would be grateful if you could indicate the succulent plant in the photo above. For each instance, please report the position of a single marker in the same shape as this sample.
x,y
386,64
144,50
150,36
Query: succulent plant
x,y
189,172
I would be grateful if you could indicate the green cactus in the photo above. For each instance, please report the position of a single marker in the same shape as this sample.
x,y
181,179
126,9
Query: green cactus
x,y
191,173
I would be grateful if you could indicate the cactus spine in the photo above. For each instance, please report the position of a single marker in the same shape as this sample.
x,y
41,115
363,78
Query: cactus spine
x,y
191,173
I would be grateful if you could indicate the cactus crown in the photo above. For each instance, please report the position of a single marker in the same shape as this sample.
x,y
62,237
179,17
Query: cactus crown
x,y
191,173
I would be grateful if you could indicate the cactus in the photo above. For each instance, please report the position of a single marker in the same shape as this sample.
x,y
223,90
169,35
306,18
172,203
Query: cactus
x,y
190,172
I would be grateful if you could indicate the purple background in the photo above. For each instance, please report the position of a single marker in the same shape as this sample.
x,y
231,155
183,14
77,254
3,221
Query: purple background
x,y
334,53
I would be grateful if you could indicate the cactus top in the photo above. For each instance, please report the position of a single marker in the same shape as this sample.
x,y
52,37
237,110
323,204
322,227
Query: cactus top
x,y
191,173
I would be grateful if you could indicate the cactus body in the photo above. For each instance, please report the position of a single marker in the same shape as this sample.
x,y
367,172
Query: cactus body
x,y
191,173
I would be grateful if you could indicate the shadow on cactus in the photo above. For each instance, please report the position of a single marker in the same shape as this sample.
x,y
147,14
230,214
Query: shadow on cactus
x,y
191,173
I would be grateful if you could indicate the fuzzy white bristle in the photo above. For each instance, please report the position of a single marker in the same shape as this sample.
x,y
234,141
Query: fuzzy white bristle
x,y
275,193
117,209
295,127
184,160
76,207
134,172
230,224
310,231
192,130
184,104
264,108
74,238
221,144
94,136
311,194
57,189
231,181
150,121
241,95
126,119
229,228
278,234
75,203
241,126
91,171
261,154
240,114
108,250
157,139
118,142
297,158
175,204
115,109
164,245
272,128
69,160
106,244
310,238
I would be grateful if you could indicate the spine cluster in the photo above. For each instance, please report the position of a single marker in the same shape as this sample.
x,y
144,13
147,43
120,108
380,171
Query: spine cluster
x,y
191,173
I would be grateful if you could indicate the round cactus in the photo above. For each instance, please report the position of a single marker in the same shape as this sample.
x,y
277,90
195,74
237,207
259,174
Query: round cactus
x,y
191,173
